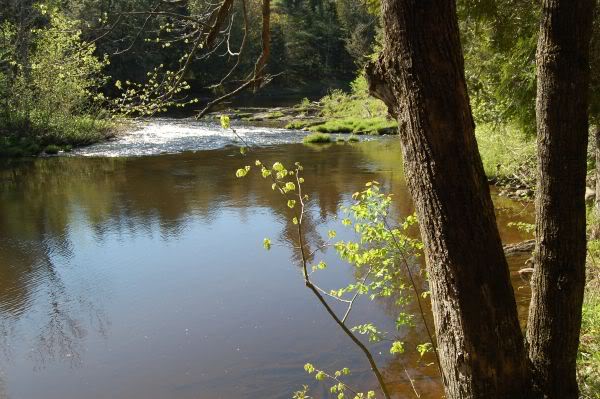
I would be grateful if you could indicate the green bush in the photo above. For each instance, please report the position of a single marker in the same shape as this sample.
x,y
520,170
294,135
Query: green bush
x,y
317,138
51,100
357,104
52,149
355,112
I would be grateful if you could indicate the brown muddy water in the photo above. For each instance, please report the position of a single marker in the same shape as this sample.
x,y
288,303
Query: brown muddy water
x,y
144,277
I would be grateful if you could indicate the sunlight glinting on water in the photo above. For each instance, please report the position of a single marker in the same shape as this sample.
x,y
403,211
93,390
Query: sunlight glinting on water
x,y
169,136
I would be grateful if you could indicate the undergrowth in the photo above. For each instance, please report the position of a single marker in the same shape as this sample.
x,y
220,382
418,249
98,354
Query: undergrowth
x,y
508,156
588,362
59,134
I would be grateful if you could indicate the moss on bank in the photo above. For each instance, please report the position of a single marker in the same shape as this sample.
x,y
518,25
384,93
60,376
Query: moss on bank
x,y
373,126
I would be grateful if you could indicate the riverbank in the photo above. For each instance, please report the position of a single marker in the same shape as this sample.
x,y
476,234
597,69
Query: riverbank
x,y
49,140
309,117
508,157
354,112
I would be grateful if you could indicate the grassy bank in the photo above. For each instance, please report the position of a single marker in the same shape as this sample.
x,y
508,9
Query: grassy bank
x,y
317,138
508,156
373,126
18,139
354,112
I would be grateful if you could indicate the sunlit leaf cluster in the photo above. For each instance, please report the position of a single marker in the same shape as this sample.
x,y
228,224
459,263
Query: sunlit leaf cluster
x,y
337,388
381,254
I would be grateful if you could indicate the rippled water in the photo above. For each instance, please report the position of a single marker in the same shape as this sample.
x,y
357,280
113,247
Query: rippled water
x,y
144,277
160,136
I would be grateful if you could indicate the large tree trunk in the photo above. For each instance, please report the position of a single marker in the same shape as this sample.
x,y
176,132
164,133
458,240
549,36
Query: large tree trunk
x,y
420,76
562,122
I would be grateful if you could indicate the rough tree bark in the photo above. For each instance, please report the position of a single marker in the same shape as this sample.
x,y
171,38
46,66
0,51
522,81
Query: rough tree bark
x,y
562,127
420,77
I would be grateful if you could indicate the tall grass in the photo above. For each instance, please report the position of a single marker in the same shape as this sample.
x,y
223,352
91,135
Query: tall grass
x,y
507,154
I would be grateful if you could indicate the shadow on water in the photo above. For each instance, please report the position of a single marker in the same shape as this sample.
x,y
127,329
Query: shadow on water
x,y
144,277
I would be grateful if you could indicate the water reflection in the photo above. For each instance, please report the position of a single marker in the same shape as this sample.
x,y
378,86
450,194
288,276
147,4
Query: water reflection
x,y
144,277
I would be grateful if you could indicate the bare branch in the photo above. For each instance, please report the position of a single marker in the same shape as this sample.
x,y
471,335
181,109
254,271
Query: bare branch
x,y
356,295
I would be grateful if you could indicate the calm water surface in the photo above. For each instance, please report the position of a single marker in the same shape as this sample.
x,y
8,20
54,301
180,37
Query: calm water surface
x,y
144,277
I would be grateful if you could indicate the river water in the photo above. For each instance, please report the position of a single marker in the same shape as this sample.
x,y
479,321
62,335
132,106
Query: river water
x,y
134,269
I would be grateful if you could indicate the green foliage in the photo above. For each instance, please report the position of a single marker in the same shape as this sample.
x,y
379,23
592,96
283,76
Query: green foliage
x,y
521,226
355,112
267,244
337,388
397,348
376,256
52,90
368,329
301,394
589,347
162,89
297,125
316,138
225,122
304,104
356,104
499,42
52,149
506,153
371,126
312,41
359,27
274,115
65,73
588,361
378,252
424,348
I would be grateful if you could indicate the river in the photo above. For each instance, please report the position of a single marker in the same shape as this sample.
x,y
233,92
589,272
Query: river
x,y
134,269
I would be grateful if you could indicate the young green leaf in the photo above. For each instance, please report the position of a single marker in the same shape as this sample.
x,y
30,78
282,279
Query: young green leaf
x,y
397,347
267,244
225,122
